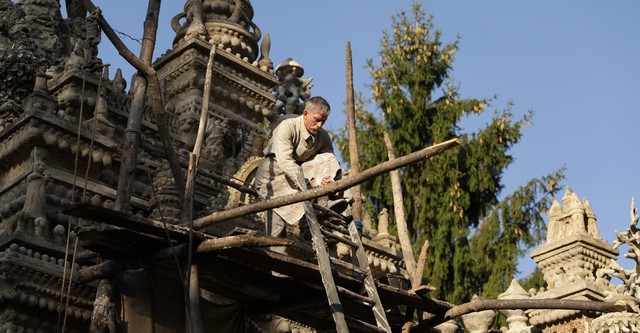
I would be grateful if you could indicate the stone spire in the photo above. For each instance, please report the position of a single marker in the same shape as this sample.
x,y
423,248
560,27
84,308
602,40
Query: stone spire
x,y
572,261
227,24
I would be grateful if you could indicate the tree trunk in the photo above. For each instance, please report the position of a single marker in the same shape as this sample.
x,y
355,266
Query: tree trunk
x,y
401,222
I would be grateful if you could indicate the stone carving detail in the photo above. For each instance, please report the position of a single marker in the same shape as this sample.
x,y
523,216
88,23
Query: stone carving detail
x,y
35,204
516,319
572,218
224,23
291,93
478,322
617,322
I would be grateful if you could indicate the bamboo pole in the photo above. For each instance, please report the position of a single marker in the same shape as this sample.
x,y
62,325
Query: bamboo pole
x,y
327,189
401,222
354,156
155,94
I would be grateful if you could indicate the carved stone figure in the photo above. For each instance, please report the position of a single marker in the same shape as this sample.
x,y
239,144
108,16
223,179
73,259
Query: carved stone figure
x,y
41,228
292,91
76,60
35,203
59,234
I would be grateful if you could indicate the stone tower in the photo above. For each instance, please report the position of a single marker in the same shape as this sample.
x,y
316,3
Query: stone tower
x,y
571,260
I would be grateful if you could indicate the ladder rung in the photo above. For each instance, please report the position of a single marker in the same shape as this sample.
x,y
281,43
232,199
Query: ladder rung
x,y
348,266
333,226
361,298
365,324
338,238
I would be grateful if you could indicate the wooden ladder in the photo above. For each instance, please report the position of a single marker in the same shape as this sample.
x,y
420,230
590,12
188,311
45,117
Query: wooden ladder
x,y
360,260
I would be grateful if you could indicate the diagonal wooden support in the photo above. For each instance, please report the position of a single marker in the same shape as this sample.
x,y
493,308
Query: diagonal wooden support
x,y
337,186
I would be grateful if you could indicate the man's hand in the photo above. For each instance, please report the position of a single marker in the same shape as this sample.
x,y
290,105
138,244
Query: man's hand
x,y
325,180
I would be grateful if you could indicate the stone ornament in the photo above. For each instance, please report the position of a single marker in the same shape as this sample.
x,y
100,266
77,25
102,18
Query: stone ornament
x,y
478,322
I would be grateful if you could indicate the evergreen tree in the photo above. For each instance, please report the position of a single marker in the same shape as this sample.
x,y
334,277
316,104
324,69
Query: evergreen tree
x,y
453,199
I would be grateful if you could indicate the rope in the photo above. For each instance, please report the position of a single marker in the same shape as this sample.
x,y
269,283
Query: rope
x,y
93,134
73,262
73,192
84,191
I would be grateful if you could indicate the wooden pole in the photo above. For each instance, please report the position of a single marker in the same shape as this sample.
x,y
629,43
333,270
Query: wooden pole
x,y
103,316
329,188
401,222
136,111
194,297
187,210
422,261
523,304
354,156
155,94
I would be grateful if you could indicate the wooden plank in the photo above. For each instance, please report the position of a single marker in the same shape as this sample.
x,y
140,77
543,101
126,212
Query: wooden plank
x,y
325,269
133,222
360,259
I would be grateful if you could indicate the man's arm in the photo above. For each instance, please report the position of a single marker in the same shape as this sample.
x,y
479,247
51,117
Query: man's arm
x,y
282,146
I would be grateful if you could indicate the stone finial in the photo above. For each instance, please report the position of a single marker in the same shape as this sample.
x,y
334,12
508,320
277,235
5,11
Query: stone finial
x,y
119,83
516,319
367,224
592,226
554,229
575,210
383,222
265,62
478,322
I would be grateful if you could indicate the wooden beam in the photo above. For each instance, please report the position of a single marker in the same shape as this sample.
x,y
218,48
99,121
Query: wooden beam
x,y
329,188
241,241
522,304
354,157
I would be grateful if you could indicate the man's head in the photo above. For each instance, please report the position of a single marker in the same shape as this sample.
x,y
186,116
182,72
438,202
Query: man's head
x,y
316,112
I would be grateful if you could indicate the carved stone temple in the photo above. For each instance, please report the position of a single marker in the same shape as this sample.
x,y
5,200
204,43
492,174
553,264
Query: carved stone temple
x,y
63,116
72,259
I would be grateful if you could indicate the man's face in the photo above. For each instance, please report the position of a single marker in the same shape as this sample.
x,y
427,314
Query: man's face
x,y
313,122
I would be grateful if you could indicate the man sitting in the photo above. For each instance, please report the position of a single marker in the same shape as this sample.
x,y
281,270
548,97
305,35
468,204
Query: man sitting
x,y
297,145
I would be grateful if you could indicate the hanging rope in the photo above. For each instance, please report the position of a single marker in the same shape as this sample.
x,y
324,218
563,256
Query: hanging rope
x,y
93,134
62,315
73,192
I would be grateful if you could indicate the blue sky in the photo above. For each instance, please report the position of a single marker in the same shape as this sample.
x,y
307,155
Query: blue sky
x,y
574,63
